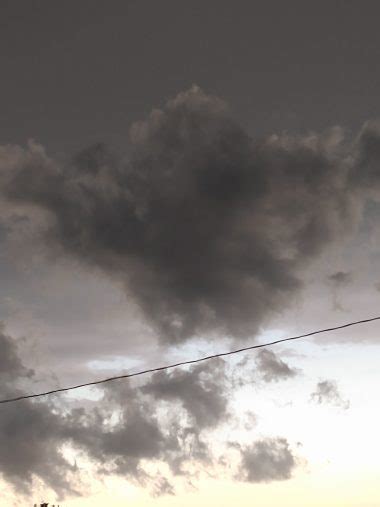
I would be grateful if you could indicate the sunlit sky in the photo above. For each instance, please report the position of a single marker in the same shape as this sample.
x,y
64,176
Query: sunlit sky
x,y
179,179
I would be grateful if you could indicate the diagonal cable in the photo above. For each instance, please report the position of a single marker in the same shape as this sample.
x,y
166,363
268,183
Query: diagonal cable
x,y
191,361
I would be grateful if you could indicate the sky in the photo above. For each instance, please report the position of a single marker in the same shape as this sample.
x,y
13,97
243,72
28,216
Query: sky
x,y
180,179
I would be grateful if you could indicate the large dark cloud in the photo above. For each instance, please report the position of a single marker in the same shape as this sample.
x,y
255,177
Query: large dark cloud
x,y
206,228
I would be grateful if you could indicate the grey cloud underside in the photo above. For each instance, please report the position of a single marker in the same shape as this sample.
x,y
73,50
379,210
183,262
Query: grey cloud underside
x,y
206,228
169,420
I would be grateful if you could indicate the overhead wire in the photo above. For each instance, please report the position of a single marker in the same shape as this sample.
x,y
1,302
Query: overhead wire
x,y
188,362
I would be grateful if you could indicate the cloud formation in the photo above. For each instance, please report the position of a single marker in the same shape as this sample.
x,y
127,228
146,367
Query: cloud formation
x,y
206,228
30,433
168,422
121,434
272,368
267,460
201,391
327,392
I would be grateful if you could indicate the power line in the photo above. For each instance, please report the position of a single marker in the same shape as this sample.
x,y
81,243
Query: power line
x,y
192,361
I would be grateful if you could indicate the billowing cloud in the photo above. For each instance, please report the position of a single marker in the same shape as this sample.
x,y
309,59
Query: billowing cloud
x,y
119,436
267,460
163,420
206,228
272,368
168,422
327,391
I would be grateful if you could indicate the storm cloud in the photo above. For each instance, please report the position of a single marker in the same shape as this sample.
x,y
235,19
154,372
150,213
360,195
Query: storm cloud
x,y
206,228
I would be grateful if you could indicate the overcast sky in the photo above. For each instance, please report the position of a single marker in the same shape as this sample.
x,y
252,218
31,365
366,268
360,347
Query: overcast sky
x,y
176,179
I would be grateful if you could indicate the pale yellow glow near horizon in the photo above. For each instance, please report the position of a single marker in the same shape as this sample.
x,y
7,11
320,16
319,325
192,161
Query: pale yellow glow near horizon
x,y
316,489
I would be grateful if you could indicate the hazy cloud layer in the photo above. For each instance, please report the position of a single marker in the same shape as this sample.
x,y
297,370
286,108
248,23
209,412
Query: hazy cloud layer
x,y
206,228
327,391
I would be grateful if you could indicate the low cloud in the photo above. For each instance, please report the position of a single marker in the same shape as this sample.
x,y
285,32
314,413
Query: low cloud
x,y
201,391
30,432
273,369
327,392
167,422
119,435
267,460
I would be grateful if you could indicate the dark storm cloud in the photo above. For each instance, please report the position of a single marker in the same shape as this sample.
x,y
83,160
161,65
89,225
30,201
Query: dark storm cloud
x,y
327,392
206,228
273,369
267,460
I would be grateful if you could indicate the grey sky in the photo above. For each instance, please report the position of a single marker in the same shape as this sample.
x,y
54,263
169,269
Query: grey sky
x,y
78,72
